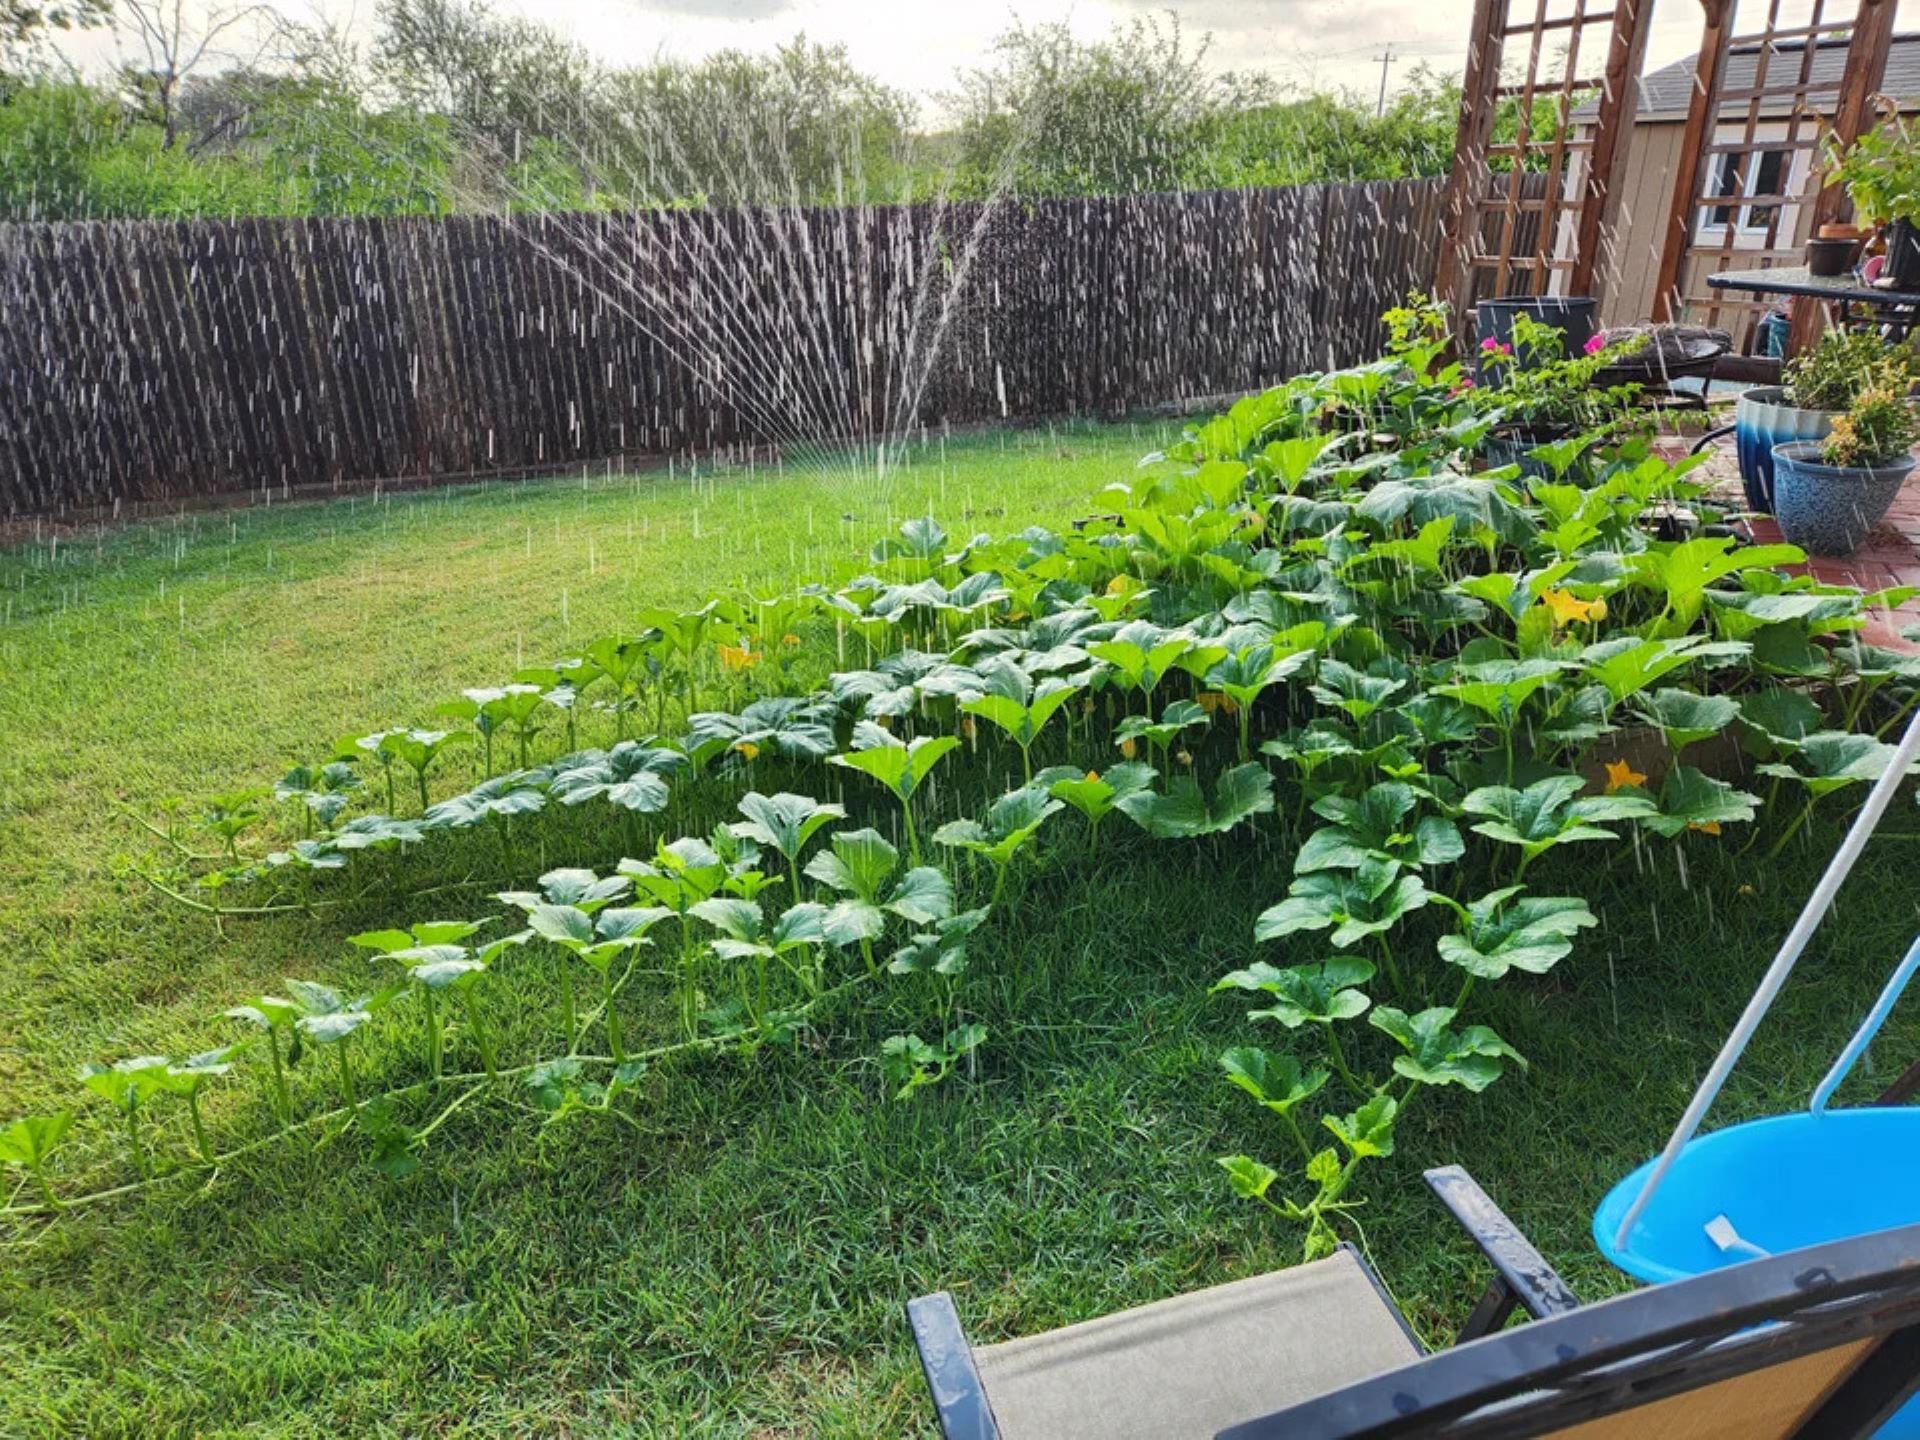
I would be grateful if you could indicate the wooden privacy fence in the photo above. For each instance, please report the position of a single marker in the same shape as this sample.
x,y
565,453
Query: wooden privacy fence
x,y
151,361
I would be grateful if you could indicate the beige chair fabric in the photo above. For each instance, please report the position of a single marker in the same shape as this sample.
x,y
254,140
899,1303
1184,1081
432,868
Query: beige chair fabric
x,y
1197,1363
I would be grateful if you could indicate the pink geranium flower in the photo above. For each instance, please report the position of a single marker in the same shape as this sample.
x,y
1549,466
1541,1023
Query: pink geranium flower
x,y
1493,347
1597,343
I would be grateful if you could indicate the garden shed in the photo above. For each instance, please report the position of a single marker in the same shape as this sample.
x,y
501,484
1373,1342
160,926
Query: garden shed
x,y
1731,236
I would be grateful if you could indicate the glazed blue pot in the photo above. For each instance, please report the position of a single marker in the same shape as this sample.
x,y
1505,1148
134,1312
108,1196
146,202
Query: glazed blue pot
x,y
1761,420
1829,509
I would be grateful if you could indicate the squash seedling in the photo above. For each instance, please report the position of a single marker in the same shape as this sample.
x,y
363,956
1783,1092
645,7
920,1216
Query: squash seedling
x,y
785,823
323,794
226,816
1245,674
1018,705
127,1085
274,1018
417,750
30,1142
679,877
901,766
859,866
188,1078
1008,827
627,665
746,935
576,889
910,1063
1095,795
329,1019
434,958
1185,811
1175,721
599,940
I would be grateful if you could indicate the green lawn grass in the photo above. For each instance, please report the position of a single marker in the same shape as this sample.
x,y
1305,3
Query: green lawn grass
x,y
734,1262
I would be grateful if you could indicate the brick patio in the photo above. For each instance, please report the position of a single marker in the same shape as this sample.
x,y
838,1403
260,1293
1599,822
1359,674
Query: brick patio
x,y
1890,557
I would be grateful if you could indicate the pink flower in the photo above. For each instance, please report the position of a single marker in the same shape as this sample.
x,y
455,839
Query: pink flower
x,y
1466,384
1597,343
1492,346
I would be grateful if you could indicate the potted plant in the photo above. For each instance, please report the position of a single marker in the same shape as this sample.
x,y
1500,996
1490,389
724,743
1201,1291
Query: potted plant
x,y
1820,383
1541,395
1881,170
1832,492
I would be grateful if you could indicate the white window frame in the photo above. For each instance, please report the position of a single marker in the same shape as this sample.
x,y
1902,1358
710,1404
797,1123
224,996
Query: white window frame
x,y
1750,225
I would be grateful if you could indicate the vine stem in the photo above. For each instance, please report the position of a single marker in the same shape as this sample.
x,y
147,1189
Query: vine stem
x,y
1792,829
474,1079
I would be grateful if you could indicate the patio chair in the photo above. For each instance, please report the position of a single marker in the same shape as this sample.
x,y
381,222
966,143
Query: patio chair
x,y
1822,1342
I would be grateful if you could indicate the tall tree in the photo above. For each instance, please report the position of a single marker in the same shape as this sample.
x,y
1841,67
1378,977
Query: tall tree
x,y
174,44
800,126
1133,112
26,24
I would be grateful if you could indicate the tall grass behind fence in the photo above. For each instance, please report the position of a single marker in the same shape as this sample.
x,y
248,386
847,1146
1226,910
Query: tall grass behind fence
x,y
152,361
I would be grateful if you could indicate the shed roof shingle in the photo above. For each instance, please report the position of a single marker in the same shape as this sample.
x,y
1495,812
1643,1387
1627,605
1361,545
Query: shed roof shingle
x,y
1666,92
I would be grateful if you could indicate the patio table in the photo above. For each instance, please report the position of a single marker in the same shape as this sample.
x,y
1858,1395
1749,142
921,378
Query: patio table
x,y
1858,303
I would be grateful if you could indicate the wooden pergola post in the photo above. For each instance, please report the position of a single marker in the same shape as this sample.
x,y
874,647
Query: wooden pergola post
x,y
1613,133
1866,72
1559,186
1466,180
1709,70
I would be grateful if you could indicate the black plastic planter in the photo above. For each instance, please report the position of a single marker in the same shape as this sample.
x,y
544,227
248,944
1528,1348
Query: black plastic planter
x,y
1903,255
1571,315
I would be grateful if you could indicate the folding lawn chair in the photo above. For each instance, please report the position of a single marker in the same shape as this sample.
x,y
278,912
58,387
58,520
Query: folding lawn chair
x,y
1821,1342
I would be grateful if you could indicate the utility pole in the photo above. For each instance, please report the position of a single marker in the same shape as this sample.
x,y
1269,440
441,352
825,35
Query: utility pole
x,y
1380,108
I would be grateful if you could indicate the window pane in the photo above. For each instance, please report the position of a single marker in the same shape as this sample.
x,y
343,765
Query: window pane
x,y
1726,181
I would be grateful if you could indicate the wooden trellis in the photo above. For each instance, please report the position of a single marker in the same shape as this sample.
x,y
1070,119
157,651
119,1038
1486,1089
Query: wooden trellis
x,y
1505,236
1749,199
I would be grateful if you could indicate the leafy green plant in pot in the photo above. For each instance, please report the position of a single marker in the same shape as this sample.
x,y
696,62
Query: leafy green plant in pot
x,y
1540,395
1832,493
1819,384
1881,170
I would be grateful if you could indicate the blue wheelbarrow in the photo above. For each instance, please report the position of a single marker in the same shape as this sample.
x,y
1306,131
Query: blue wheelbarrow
x,y
1768,1186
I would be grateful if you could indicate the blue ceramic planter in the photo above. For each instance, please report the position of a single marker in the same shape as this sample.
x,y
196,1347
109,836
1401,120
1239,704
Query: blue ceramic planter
x,y
1761,420
1828,509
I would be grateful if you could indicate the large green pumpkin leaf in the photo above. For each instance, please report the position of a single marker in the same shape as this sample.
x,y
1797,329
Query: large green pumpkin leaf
x,y
1275,1081
1354,905
1305,994
1185,811
1532,933
1437,1055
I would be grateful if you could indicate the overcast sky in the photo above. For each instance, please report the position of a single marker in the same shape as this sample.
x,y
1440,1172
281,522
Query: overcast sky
x,y
919,44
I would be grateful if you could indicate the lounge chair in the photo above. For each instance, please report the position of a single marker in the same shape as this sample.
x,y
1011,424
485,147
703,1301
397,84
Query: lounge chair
x,y
1822,1342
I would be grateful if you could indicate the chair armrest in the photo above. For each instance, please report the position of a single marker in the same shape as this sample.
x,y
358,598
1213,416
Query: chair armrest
x,y
959,1398
1522,1275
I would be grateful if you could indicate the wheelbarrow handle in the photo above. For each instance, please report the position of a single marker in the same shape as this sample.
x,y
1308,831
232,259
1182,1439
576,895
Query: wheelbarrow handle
x,y
1876,1017
1719,432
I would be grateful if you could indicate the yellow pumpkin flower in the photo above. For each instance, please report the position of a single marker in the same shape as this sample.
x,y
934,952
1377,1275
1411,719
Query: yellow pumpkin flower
x,y
1622,776
1567,609
1708,827
790,640
1214,703
1092,775
1185,757
737,657
1129,748
747,748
